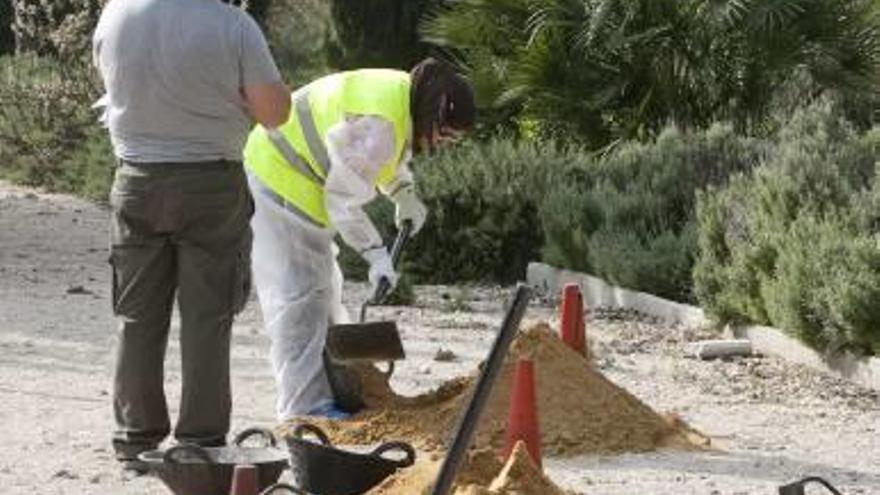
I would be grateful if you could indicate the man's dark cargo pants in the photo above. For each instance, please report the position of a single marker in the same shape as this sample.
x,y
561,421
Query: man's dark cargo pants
x,y
177,229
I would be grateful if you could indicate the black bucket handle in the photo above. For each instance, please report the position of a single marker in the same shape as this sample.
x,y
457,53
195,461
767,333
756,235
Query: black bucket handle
x,y
282,486
407,449
265,433
169,457
314,430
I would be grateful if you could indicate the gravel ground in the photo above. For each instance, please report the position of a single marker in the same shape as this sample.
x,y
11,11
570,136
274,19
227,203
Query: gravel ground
x,y
770,421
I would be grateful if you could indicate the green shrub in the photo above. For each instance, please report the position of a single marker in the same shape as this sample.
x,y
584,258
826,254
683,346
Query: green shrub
x,y
483,201
826,285
299,32
793,244
629,217
46,121
60,28
732,258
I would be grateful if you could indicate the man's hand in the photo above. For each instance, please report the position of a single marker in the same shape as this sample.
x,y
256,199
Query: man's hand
x,y
409,207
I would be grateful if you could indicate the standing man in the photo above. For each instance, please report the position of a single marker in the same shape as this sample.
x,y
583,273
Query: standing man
x,y
185,79
350,133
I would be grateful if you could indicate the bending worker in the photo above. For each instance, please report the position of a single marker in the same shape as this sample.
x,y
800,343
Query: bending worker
x,y
349,133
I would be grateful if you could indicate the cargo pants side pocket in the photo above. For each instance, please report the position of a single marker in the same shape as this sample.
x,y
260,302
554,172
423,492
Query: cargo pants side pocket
x,y
242,278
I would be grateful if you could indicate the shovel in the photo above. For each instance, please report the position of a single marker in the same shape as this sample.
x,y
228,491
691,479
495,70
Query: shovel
x,y
364,341
374,340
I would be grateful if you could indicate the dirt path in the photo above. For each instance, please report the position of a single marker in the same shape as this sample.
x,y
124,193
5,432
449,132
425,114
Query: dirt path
x,y
773,422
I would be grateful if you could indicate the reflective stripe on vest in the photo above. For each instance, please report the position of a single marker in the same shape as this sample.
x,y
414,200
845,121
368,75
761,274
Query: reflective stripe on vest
x,y
293,161
291,156
310,132
287,205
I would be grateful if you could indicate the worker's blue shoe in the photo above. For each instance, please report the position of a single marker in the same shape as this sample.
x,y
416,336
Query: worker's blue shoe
x,y
330,411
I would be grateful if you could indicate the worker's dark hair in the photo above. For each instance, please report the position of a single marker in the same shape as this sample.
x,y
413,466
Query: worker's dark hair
x,y
440,96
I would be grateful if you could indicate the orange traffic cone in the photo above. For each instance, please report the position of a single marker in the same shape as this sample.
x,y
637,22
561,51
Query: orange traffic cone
x,y
573,331
244,480
522,422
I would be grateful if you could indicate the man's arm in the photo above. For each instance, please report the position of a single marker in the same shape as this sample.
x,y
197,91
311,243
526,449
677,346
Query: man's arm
x,y
268,104
266,95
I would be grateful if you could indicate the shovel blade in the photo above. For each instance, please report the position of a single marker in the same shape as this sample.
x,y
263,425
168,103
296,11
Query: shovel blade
x,y
369,341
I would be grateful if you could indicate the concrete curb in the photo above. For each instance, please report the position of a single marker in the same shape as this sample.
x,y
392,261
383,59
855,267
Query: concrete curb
x,y
601,294
765,340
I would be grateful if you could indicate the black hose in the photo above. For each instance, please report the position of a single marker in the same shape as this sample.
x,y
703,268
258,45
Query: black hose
x,y
797,488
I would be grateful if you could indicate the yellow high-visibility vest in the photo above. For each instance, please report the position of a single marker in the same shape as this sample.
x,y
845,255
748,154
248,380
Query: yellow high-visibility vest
x,y
293,162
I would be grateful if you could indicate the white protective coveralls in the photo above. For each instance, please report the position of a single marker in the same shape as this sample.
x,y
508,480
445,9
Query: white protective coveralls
x,y
297,277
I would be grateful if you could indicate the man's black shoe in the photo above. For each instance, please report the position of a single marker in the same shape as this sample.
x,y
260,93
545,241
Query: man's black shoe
x,y
134,468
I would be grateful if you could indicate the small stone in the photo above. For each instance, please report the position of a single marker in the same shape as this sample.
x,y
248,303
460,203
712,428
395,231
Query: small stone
x,y
445,355
66,474
78,289
425,370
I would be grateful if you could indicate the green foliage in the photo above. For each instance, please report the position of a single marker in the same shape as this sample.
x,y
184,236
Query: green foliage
x,y
793,244
483,202
378,33
629,216
602,70
48,132
299,33
826,285
483,223
59,28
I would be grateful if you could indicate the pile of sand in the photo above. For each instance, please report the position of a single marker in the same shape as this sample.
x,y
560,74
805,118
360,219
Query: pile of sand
x,y
580,411
481,474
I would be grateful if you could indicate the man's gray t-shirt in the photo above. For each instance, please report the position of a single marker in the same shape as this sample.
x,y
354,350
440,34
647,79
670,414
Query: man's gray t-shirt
x,y
174,72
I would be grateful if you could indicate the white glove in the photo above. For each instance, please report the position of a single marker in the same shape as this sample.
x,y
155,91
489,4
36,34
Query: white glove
x,y
409,207
380,267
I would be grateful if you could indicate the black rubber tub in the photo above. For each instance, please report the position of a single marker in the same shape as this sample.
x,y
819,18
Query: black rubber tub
x,y
320,468
189,469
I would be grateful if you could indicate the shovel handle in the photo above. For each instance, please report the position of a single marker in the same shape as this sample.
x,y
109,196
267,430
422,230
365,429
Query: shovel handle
x,y
384,286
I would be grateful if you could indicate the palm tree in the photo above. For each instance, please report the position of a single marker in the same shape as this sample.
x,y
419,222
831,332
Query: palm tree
x,y
608,69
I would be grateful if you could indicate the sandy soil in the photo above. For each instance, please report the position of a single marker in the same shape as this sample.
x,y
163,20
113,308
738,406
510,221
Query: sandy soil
x,y
771,421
